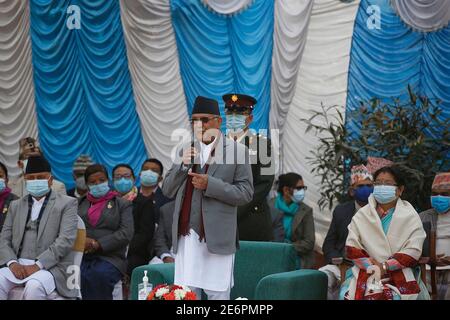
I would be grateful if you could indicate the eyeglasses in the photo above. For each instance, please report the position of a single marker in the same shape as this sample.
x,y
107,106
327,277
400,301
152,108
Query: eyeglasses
x,y
202,119
385,183
300,188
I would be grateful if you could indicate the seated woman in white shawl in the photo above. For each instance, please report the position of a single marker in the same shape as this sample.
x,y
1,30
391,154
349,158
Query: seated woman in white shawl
x,y
385,243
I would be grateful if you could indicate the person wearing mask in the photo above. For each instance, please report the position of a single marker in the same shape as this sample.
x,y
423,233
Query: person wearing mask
x,y
254,218
295,218
140,248
6,196
151,177
439,217
208,186
37,239
28,147
333,246
79,167
109,230
124,180
384,243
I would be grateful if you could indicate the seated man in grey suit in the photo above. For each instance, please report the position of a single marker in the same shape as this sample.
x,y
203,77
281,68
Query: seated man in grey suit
x,y
163,235
38,237
212,179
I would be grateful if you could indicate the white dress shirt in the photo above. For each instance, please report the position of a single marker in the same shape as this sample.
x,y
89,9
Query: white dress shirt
x,y
205,152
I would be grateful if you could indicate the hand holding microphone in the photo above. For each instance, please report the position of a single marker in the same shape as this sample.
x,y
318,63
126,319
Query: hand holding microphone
x,y
189,155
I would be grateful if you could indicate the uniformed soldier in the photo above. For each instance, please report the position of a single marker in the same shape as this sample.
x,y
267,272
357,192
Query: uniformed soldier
x,y
254,219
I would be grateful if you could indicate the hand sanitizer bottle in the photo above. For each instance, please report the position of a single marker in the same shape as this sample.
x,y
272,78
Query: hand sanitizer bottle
x,y
144,288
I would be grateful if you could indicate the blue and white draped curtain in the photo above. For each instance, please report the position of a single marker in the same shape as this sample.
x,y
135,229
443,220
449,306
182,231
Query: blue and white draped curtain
x,y
117,86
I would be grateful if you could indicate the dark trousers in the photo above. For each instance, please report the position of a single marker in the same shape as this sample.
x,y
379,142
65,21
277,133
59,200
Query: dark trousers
x,y
98,278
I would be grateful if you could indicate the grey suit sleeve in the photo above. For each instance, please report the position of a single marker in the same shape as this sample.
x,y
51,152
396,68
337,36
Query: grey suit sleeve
x,y
66,238
278,228
173,180
305,242
122,236
239,193
161,245
6,251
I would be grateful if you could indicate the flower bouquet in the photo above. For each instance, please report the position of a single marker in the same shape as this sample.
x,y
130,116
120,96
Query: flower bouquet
x,y
171,292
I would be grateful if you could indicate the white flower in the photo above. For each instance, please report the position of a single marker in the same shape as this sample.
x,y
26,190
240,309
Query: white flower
x,y
179,294
161,291
186,288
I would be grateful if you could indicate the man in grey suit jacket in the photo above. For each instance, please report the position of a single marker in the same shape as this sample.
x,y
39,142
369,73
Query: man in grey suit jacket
x,y
38,237
163,235
214,178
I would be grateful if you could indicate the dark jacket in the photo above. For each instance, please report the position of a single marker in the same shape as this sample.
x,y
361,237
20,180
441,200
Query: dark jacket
x,y
159,199
303,232
5,209
334,244
141,246
163,236
113,231
254,218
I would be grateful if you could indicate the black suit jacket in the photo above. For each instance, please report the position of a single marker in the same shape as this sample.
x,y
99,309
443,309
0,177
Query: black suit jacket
x,y
5,208
254,218
334,244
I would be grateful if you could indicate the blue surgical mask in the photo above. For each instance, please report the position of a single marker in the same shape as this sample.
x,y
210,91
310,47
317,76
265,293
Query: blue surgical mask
x,y
384,194
149,178
99,190
440,203
298,195
362,193
236,122
37,188
123,185
2,185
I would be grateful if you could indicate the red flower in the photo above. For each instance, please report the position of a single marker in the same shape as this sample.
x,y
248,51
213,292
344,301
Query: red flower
x,y
159,286
151,295
190,296
169,296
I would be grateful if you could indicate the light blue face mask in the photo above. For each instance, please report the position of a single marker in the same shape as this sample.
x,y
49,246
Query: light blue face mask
x,y
384,194
123,185
235,121
149,178
298,196
440,203
99,190
37,188
2,185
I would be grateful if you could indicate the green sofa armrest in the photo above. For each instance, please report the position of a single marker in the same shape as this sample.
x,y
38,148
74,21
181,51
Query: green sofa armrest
x,y
156,273
294,285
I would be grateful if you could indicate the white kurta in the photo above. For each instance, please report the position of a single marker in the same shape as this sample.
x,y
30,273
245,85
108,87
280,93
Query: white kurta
x,y
43,276
196,267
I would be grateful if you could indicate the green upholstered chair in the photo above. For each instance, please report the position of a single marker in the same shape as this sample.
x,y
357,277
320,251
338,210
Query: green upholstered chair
x,y
262,270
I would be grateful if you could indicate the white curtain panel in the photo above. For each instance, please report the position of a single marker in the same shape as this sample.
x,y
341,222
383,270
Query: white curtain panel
x,y
17,107
227,6
291,20
423,15
322,77
155,74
